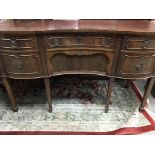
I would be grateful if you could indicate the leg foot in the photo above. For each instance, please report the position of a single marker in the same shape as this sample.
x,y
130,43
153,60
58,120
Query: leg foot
x,y
141,109
50,110
15,109
126,84
106,109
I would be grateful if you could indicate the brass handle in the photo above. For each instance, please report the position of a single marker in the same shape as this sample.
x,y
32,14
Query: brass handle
x,y
144,46
79,38
107,42
35,56
13,43
19,65
56,42
79,41
139,67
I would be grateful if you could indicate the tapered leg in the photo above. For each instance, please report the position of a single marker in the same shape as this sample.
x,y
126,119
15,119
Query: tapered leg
x,y
146,93
48,91
10,94
126,84
111,81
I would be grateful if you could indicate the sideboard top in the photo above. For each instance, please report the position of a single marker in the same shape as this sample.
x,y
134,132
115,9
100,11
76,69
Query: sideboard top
x,y
44,26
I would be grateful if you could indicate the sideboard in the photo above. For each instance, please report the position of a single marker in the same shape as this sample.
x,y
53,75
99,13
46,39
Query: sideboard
x,y
31,49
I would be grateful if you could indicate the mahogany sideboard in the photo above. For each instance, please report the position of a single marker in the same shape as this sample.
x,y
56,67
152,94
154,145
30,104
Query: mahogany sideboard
x,y
31,49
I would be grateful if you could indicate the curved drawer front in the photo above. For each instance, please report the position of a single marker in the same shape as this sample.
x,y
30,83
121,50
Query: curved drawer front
x,y
79,62
83,41
138,43
136,65
15,43
21,65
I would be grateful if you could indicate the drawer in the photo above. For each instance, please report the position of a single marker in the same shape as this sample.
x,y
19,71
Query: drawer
x,y
136,65
16,43
83,41
21,64
138,43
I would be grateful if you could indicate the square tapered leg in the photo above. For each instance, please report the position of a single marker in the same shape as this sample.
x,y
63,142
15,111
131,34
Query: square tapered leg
x,y
48,92
10,94
146,93
109,91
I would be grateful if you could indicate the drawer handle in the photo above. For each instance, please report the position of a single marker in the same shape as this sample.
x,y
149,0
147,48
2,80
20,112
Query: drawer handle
x,y
139,67
107,42
56,42
13,43
79,41
144,46
79,38
19,65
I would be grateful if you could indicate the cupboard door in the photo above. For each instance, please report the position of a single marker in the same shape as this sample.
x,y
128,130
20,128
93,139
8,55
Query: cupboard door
x,y
85,62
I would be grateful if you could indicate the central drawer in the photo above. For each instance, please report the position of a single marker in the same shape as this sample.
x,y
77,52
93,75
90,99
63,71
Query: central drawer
x,y
57,41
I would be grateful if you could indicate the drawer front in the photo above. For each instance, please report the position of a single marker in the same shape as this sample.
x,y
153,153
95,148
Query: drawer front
x,y
138,43
21,64
16,43
79,62
136,65
83,41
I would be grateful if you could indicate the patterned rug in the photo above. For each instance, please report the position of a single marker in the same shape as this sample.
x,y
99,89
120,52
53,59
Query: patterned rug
x,y
78,108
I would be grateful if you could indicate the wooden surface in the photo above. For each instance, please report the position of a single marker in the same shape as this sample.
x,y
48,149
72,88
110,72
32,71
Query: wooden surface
x,y
117,26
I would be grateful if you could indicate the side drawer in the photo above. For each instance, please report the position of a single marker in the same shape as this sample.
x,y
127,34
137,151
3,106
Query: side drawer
x,y
20,64
138,43
15,43
136,65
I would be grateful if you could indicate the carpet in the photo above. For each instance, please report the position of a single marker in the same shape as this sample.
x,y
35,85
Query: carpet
x,y
78,108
